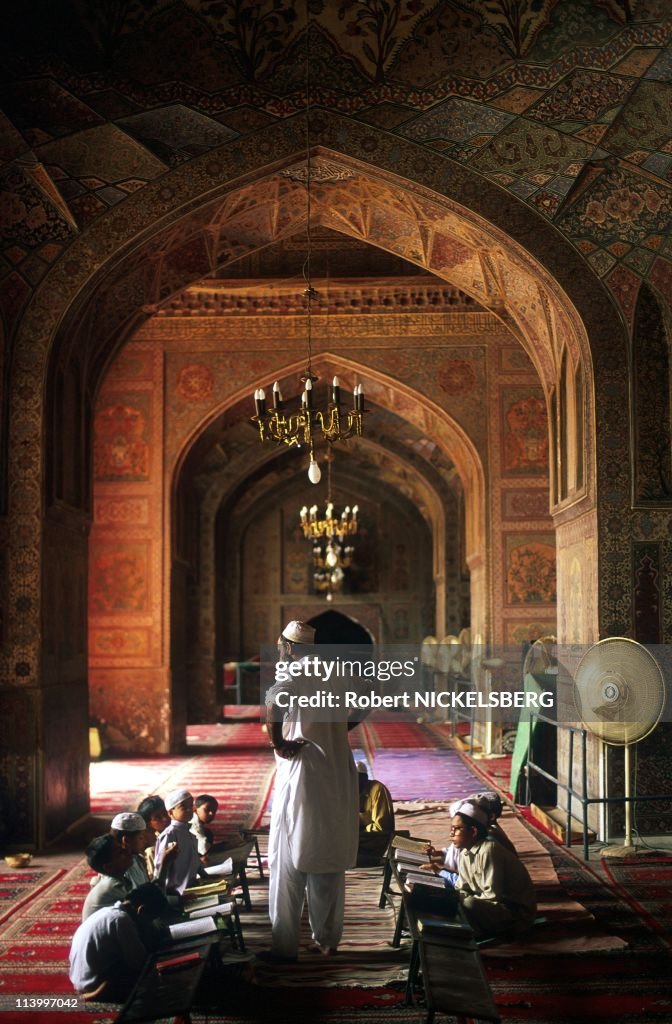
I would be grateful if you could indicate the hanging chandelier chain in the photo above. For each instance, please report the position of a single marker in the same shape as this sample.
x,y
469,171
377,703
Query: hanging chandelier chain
x,y
309,289
299,428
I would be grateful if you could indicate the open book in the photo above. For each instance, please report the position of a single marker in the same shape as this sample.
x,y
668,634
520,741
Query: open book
x,y
218,870
411,856
189,929
410,844
221,908
218,885
424,878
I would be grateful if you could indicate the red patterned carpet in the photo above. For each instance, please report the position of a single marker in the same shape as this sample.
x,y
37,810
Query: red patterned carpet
x,y
645,883
234,764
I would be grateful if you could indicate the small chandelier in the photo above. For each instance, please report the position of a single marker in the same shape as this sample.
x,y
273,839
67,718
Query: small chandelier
x,y
298,425
331,552
298,428
331,525
330,559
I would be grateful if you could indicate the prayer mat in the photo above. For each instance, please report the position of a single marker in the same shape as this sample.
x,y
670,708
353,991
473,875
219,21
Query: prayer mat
x,y
645,883
402,734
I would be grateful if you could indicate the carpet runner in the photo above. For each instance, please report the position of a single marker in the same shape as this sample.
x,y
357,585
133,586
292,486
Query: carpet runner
x,y
412,760
18,887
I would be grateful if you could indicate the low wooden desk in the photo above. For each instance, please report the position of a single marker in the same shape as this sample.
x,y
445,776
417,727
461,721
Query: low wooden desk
x,y
445,952
452,973
171,992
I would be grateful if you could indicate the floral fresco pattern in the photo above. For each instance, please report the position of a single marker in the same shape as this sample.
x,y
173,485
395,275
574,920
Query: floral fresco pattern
x,y
531,571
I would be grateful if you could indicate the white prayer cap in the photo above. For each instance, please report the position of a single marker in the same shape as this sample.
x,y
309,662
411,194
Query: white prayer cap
x,y
299,632
178,796
471,810
362,769
128,821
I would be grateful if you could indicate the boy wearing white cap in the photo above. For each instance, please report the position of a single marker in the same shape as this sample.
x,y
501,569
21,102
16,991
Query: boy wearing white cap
x,y
314,822
185,863
446,862
495,890
129,829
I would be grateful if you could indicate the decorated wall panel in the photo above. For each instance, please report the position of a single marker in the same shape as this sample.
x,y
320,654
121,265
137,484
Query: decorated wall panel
x,y
578,582
523,550
126,574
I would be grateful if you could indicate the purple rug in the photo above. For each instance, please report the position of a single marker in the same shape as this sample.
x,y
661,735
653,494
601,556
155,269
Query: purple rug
x,y
422,774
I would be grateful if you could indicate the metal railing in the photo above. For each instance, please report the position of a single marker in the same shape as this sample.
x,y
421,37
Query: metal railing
x,y
580,795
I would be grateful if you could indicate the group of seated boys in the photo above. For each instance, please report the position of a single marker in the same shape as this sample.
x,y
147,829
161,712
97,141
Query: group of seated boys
x,y
143,864
493,886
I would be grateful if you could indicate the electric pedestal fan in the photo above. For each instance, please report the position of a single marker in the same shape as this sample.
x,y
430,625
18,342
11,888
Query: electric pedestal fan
x,y
619,692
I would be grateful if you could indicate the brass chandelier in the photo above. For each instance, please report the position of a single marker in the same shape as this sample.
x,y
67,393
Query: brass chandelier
x,y
330,526
332,553
298,428
298,423
329,562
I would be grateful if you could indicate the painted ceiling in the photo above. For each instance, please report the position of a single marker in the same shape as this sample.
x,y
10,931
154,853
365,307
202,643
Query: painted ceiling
x,y
564,104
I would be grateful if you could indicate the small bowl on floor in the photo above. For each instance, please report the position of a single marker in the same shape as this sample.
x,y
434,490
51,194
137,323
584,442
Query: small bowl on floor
x,y
18,860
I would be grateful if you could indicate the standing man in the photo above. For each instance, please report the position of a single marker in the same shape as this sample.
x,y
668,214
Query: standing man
x,y
314,822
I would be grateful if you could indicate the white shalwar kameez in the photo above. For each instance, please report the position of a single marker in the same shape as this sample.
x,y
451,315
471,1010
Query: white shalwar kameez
x,y
314,825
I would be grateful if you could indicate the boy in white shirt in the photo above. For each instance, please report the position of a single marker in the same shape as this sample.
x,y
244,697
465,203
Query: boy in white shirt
x,y
185,864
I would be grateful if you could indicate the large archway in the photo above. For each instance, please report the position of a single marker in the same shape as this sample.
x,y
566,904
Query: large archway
x,y
124,268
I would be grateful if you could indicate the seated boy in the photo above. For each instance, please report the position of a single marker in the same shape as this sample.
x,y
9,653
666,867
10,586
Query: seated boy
x,y
111,860
376,818
492,805
185,865
109,949
130,830
446,862
234,846
156,817
495,890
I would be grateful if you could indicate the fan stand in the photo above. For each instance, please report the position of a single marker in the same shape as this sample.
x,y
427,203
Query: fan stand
x,y
615,676
628,849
